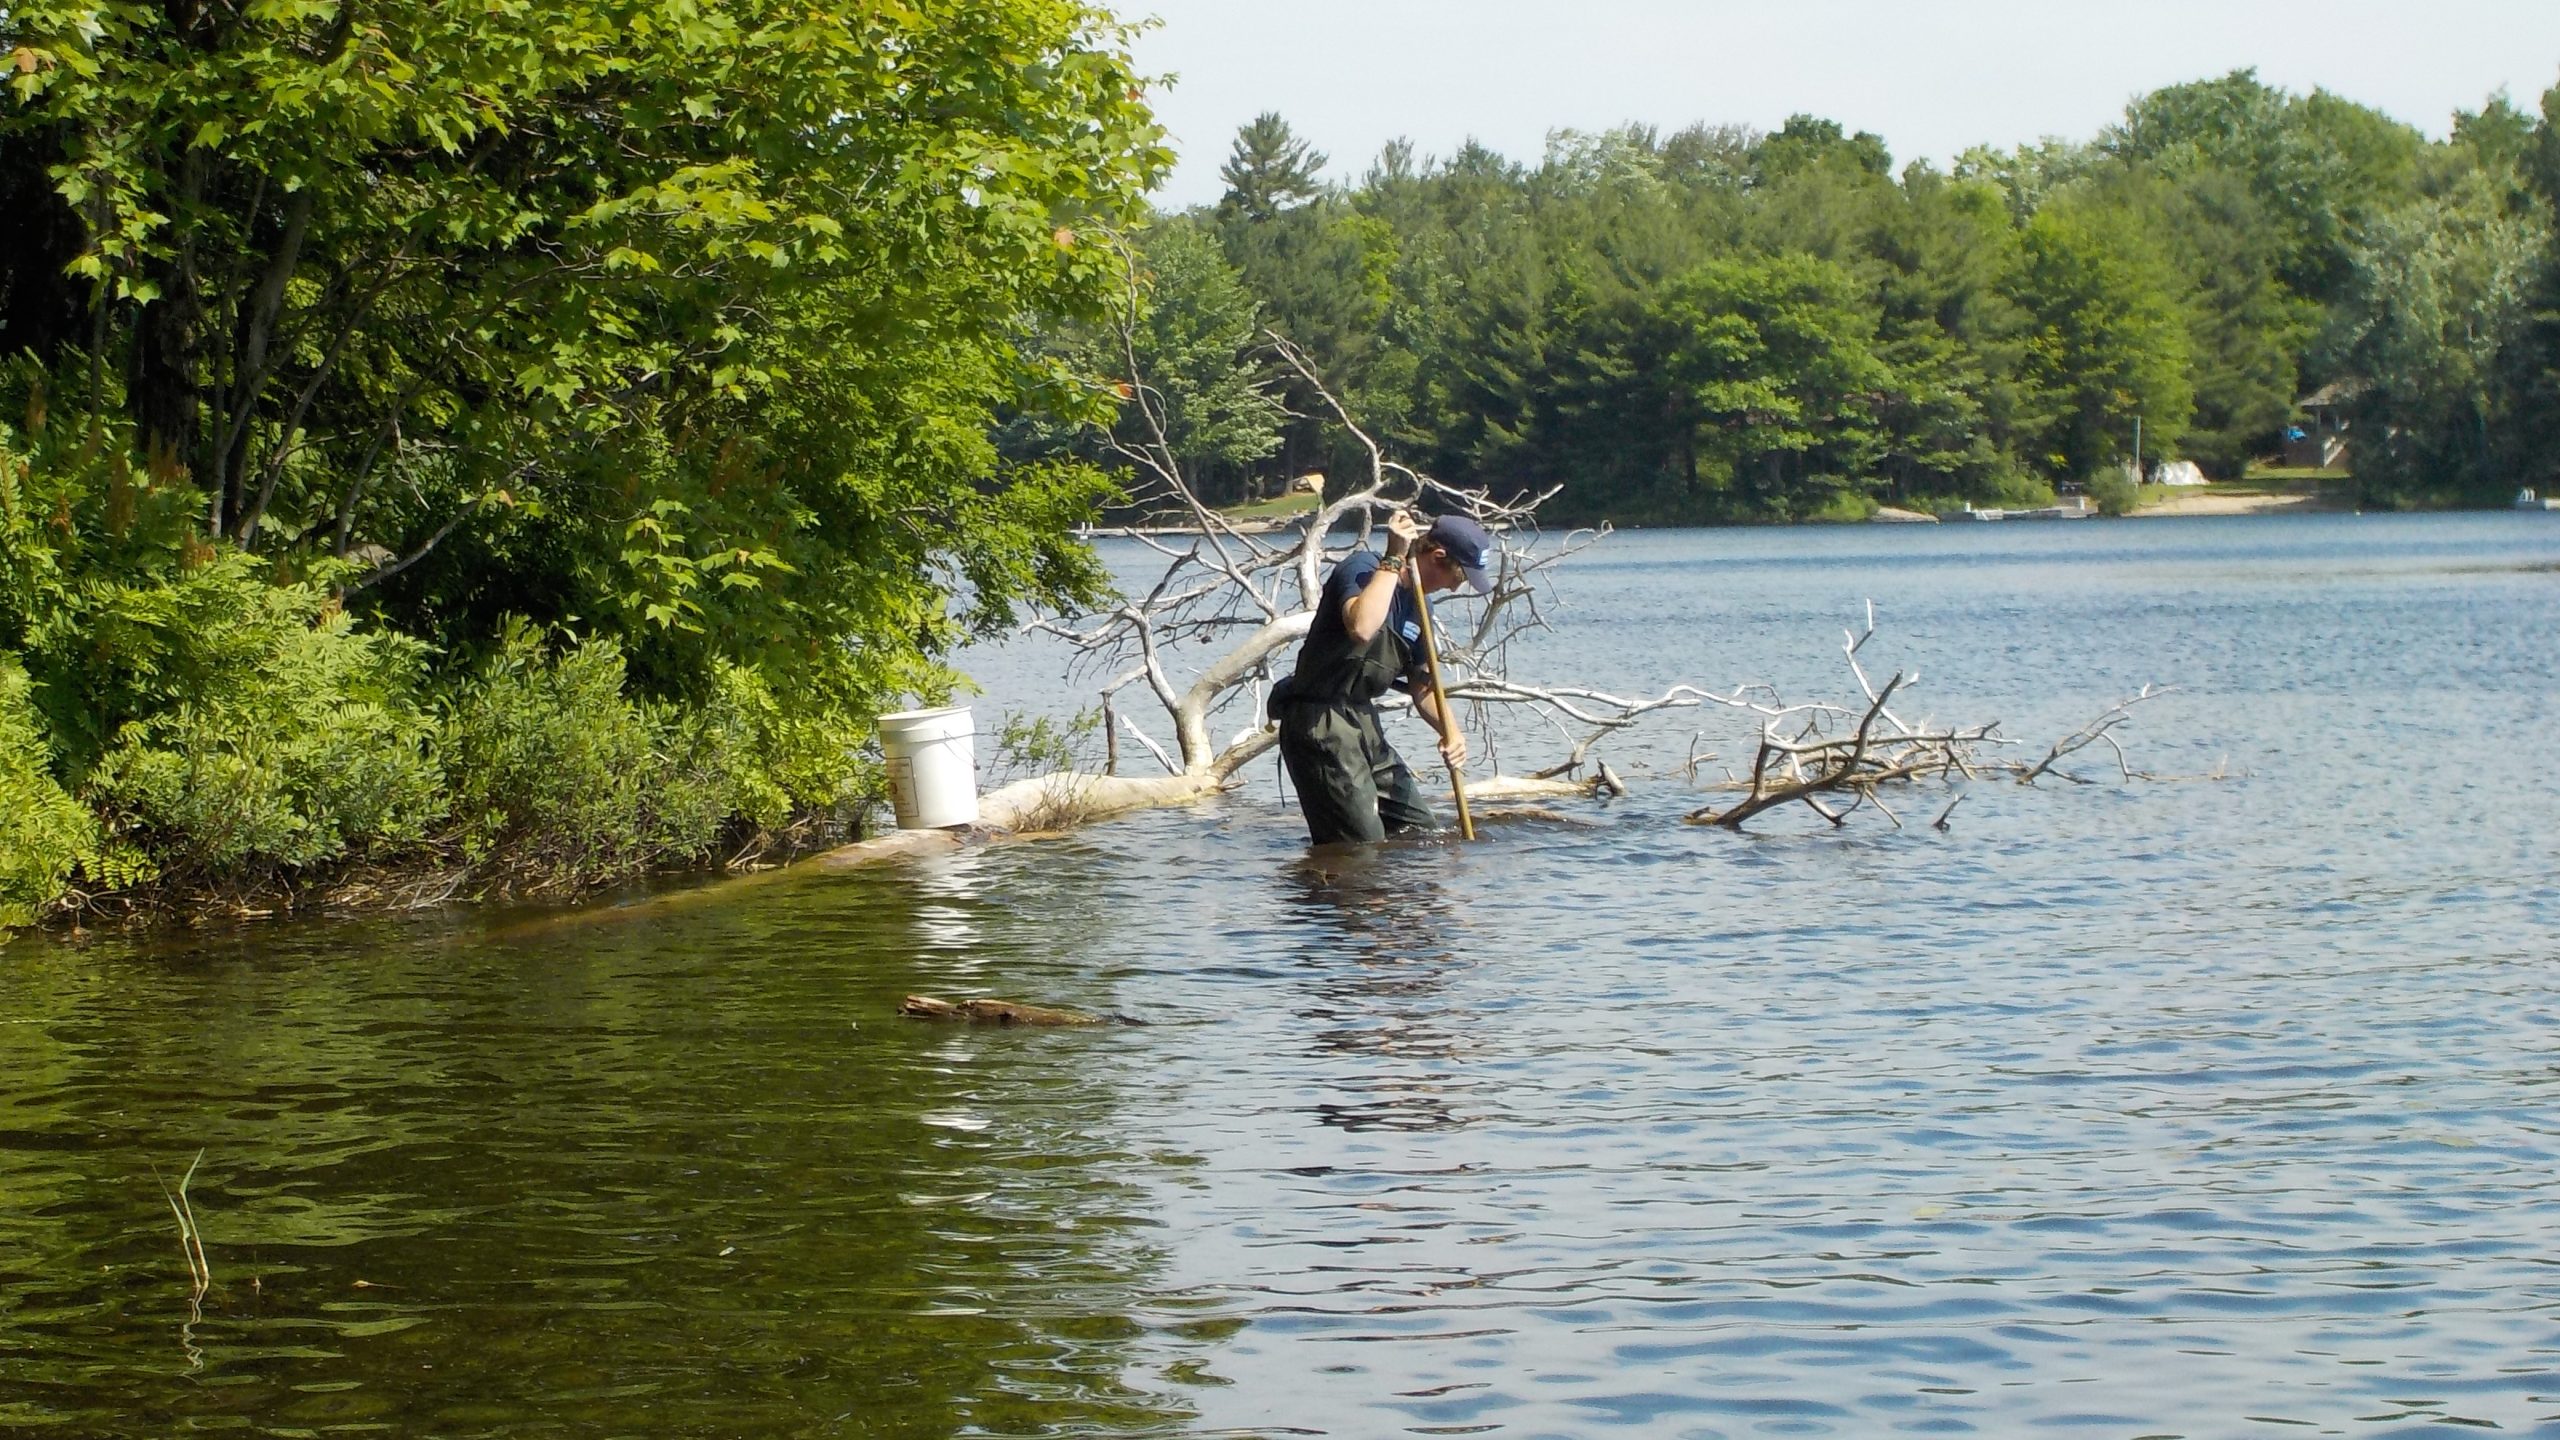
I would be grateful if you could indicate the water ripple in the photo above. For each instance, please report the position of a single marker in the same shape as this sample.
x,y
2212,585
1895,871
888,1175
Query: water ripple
x,y
2171,1109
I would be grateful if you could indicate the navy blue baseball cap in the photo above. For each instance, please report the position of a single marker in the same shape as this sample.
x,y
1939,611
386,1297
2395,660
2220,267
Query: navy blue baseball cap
x,y
1468,545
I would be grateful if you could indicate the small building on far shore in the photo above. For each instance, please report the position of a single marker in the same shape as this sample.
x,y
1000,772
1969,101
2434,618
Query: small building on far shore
x,y
2318,441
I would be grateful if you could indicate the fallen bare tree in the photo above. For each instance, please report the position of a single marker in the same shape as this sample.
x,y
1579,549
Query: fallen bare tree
x,y
1248,594
1253,592
1835,759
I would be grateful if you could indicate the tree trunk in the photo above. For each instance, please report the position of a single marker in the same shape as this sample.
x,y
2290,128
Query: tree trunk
x,y
1031,808
162,379
160,382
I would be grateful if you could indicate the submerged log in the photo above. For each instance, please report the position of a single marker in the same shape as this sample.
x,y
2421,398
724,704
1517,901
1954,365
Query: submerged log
x,y
991,1012
1052,805
1040,808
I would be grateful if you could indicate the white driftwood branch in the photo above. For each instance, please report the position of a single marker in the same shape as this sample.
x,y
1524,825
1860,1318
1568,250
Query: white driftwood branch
x,y
1800,758
2091,733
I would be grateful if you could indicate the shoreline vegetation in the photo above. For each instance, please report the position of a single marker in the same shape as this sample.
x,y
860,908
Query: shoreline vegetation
x,y
404,496
1025,811
843,841
2271,492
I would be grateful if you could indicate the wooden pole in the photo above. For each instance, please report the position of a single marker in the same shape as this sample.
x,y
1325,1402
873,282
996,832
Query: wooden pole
x,y
1439,696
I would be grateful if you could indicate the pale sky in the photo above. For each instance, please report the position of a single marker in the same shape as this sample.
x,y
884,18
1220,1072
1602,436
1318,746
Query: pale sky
x,y
1933,77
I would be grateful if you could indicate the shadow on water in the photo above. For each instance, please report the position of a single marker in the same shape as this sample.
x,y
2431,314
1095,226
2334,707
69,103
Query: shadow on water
x,y
692,1171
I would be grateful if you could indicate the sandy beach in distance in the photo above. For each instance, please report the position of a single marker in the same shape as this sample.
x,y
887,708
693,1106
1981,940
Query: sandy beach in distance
x,y
2238,500
2205,502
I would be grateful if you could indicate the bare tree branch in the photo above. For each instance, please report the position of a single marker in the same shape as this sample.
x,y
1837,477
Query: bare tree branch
x,y
2091,733
1250,596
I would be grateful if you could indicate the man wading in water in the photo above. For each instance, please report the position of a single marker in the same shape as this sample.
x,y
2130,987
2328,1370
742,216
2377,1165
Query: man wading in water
x,y
1367,637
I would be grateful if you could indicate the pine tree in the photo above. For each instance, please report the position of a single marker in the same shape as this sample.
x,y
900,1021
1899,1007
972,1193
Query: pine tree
x,y
1269,169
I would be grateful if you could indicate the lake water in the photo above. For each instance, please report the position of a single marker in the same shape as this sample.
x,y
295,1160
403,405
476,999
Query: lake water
x,y
2198,1107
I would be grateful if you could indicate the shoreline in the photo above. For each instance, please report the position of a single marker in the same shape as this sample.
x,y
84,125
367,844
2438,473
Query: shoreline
x,y
2170,507
386,888
2182,503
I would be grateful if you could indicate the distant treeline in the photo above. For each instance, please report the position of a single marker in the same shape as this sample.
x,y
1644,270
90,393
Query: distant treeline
x,y
1720,324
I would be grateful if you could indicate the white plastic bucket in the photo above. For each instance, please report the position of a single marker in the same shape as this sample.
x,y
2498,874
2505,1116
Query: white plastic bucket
x,y
933,766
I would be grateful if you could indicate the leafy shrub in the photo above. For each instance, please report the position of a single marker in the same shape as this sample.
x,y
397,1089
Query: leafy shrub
x,y
43,831
211,715
1998,486
90,548
172,707
791,756
1844,506
2015,489
554,769
2113,491
1038,744
286,737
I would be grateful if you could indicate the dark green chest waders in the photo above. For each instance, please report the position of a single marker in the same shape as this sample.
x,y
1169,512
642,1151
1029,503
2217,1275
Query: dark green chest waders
x,y
1351,783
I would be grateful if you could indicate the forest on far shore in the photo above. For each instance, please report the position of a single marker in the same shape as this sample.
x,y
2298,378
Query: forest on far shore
x,y
1721,325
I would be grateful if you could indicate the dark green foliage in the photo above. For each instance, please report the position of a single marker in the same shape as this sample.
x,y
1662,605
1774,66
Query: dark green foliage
x,y
1198,345
1320,274
1770,371
684,321
280,735
1269,169
2246,330
554,768
215,719
2114,491
1201,355
2446,322
44,833
1807,142
1937,254
193,717
679,327
2321,166
1612,320
2108,344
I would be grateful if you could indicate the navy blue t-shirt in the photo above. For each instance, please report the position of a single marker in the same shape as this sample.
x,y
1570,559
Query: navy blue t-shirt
x,y
1345,584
